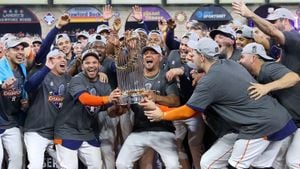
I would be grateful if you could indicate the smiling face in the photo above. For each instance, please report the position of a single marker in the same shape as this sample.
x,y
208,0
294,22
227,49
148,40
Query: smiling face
x,y
241,41
151,60
64,45
90,67
183,49
16,55
100,47
36,46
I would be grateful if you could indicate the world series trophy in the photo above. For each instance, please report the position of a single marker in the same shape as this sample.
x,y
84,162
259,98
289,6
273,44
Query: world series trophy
x,y
129,68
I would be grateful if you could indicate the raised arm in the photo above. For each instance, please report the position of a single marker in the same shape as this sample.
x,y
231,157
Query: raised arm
x,y
268,28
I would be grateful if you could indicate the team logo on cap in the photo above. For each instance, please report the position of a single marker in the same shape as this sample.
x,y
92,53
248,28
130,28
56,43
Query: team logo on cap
x,y
254,49
217,49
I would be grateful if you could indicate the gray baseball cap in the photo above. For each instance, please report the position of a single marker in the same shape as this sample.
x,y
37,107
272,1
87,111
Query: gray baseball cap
x,y
225,30
102,28
281,13
36,39
140,30
83,33
62,35
90,52
206,46
246,31
54,53
15,41
97,38
155,48
257,49
191,36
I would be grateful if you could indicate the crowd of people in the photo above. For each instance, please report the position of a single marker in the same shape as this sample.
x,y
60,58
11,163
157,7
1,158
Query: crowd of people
x,y
239,83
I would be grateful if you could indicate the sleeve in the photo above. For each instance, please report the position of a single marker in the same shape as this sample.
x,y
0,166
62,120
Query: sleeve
x,y
182,112
45,47
292,40
276,71
171,43
143,26
90,100
36,79
172,89
202,96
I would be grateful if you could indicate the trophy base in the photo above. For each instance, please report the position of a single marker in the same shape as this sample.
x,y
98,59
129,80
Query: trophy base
x,y
130,99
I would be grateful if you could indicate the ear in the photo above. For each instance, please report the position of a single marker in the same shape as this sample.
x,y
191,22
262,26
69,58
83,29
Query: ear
x,y
202,57
254,58
81,65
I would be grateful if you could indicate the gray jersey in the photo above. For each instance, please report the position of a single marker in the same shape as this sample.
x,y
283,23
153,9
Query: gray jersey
x,y
11,101
75,120
224,87
291,51
161,87
46,102
290,97
236,55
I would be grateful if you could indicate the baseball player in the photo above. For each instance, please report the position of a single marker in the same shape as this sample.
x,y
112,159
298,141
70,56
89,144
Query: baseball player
x,y
12,78
274,78
47,88
193,127
74,133
145,134
255,120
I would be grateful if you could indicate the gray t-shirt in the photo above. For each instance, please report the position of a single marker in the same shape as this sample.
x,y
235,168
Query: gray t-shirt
x,y
161,87
46,102
74,121
290,97
11,101
224,87
291,51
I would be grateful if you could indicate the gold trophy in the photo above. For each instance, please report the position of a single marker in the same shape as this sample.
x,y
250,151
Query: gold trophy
x,y
129,68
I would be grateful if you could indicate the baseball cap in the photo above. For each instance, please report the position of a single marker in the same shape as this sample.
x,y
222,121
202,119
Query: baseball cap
x,y
281,13
225,30
140,30
54,53
156,32
206,46
258,49
102,28
246,31
15,41
191,36
89,52
83,33
36,39
197,25
62,35
97,38
155,48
